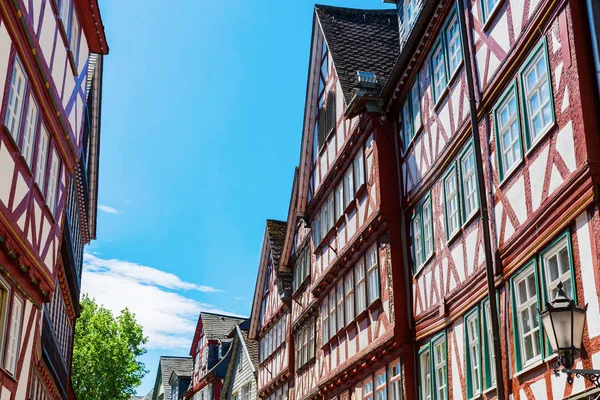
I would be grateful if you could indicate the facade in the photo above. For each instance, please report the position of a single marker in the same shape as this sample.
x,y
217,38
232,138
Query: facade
x,y
211,354
530,67
240,380
172,375
50,75
270,319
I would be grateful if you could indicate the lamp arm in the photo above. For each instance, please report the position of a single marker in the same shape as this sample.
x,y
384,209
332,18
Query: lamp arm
x,y
592,375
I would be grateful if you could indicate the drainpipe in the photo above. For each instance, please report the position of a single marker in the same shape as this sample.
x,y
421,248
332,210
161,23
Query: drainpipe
x,y
483,202
405,261
593,9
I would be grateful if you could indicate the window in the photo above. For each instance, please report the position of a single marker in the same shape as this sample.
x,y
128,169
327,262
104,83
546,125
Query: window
x,y
488,6
235,396
490,370
29,135
361,295
380,389
438,67
427,227
16,97
65,8
339,200
301,267
340,304
508,137
246,391
316,230
557,267
53,182
330,112
396,381
528,338
473,365
272,340
325,321
411,12
359,169
12,349
537,93
440,368
372,275
324,221
348,186
451,203
175,390
240,364
305,344
469,183
42,158
453,44
332,314
349,296
74,37
425,374
411,114
368,392
417,240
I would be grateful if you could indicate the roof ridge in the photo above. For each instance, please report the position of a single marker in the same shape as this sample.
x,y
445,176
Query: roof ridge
x,y
222,315
326,6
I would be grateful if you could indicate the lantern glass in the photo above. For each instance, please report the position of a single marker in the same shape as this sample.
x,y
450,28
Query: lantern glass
x,y
561,320
547,323
578,326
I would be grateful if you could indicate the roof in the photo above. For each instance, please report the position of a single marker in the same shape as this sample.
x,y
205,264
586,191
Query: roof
x,y
360,40
149,395
252,347
218,326
169,364
276,235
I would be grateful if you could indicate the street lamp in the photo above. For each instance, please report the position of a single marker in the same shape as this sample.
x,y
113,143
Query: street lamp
x,y
563,321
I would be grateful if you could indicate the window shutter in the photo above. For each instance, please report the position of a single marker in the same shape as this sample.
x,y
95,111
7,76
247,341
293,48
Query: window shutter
x,y
330,113
322,126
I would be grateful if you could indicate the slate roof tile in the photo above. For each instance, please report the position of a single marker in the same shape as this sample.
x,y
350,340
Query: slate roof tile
x,y
360,40
276,234
217,326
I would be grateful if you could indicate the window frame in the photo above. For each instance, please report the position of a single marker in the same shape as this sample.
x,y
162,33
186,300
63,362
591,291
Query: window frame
x,y
10,365
517,336
486,15
425,369
466,217
503,173
450,74
489,366
17,117
436,339
361,263
566,236
372,270
395,380
380,388
541,47
419,213
449,171
471,393
439,44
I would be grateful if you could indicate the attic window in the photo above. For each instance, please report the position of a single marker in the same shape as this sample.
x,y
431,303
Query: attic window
x,y
326,119
366,79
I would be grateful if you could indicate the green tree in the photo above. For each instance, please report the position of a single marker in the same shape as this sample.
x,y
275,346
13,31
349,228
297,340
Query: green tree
x,y
105,353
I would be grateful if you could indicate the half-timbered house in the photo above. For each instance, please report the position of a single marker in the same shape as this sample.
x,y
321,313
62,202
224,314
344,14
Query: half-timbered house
x,y
270,318
211,354
520,74
343,244
241,378
47,60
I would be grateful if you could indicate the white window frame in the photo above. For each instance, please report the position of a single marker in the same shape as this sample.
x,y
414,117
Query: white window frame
x,y
474,351
511,127
359,169
438,70
395,373
340,304
16,99
381,385
14,336
361,286
529,305
348,186
566,277
51,195
373,290
425,374
451,203
427,217
368,389
349,296
31,121
440,368
417,239
469,182
325,320
332,313
453,38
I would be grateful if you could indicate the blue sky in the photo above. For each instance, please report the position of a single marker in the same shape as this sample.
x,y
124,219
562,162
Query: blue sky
x,y
201,125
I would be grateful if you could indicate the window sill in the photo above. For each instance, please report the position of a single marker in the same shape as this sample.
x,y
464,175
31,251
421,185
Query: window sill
x,y
455,74
529,368
489,19
424,265
540,139
375,304
508,175
453,236
11,138
471,217
441,99
489,390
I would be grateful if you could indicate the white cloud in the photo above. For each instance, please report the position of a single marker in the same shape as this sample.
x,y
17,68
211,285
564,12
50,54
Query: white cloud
x,y
168,317
108,209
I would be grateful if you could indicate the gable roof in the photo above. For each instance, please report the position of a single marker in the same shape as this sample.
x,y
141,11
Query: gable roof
x,y
166,366
276,234
218,326
360,40
247,348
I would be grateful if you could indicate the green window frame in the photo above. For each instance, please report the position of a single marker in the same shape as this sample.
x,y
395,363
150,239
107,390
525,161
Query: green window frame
x,y
539,113
438,58
452,205
560,247
453,43
489,365
433,369
411,113
422,233
487,8
468,182
473,364
508,127
521,307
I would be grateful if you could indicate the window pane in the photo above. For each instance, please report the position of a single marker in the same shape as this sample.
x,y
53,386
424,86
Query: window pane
x,y
509,132
339,200
417,240
439,349
15,101
537,93
359,169
349,294
372,275
427,228
425,374
30,127
474,357
469,182
416,106
407,130
557,266
454,48
439,71
451,193
527,320
361,295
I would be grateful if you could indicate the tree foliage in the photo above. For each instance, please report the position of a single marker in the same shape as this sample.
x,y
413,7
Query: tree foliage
x,y
105,353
